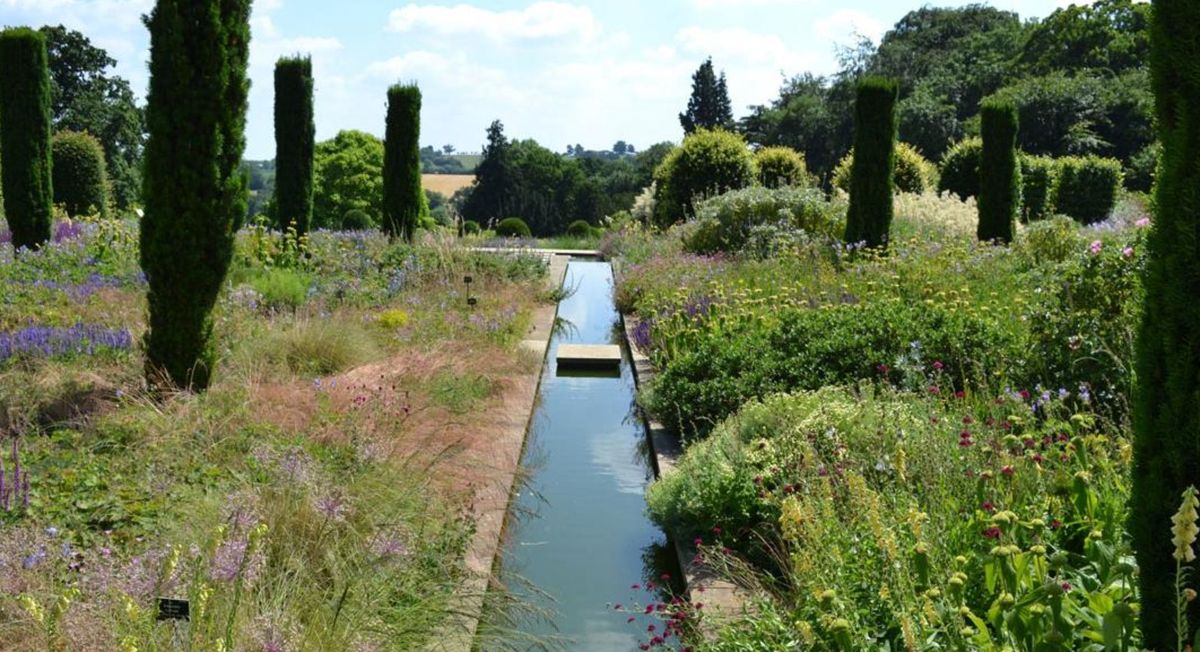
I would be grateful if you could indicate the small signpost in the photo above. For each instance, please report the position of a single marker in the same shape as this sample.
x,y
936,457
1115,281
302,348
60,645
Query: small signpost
x,y
176,612
471,301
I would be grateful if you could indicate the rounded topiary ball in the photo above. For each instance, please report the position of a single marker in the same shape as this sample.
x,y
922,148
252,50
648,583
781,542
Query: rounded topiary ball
x,y
470,227
914,173
708,163
357,219
80,176
579,229
513,227
781,166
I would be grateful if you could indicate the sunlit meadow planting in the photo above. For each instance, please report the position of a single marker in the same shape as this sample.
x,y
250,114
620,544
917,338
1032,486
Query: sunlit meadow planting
x,y
306,501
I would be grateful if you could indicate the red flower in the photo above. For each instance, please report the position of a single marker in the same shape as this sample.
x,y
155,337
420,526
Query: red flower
x,y
988,507
992,533
937,365
1008,470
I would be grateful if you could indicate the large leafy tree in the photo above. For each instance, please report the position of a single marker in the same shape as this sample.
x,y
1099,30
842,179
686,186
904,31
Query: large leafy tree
x,y
194,188
812,115
348,176
86,96
709,106
1166,409
1109,35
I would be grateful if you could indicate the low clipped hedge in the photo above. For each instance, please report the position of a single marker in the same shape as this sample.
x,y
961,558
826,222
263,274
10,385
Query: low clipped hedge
x,y
513,227
914,173
1039,183
1088,187
811,348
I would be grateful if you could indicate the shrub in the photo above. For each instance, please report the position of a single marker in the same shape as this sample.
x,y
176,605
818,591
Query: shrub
x,y
513,227
194,189
1088,187
1166,413
999,173
871,176
1039,183
579,229
80,175
725,222
1143,168
811,348
913,173
1052,240
281,288
960,169
707,164
294,143
404,201
357,220
470,227
25,138
781,166
393,319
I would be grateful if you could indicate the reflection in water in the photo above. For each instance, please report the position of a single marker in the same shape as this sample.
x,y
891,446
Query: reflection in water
x,y
586,544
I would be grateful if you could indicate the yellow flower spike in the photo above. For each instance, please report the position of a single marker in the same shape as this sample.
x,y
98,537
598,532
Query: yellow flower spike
x,y
129,644
1184,528
32,607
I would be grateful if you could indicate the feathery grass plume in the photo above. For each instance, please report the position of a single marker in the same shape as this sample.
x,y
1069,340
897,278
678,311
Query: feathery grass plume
x,y
1166,406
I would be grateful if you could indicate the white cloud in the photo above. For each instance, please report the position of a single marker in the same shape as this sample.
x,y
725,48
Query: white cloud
x,y
541,20
842,24
742,4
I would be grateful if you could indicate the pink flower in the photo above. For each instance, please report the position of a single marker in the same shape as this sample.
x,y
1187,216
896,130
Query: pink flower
x,y
937,365
1127,252
1142,223
1095,247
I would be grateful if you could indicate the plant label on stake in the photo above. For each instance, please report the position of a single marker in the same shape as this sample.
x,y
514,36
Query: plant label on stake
x,y
172,609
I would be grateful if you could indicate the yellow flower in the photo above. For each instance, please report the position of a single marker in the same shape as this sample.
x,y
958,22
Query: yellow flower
x,y
1184,528
33,608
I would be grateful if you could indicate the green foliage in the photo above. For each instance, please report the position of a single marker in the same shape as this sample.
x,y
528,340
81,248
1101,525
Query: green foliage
x,y
513,227
579,229
873,172
80,175
25,138
708,163
1110,35
357,220
781,166
470,227
281,288
727,222
999,172
295,132
960,169
1039,185
913,172
403,199
928,122
87,97
349,176
1167,403
709,106
1088,187
811,115
1143,169
1052,240
194,189
716,370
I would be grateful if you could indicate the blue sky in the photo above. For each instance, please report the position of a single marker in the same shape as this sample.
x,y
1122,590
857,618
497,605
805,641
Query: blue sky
x,y
562,72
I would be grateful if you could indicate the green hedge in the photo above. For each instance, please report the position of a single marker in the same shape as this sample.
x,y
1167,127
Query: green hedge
x,y
781,166
999,172
1088,187
470,227
1039,183
294,143
25,138
194,187
960,169
513,227
579,229
812,348
872,173
913,173
404,201
708,163
80,174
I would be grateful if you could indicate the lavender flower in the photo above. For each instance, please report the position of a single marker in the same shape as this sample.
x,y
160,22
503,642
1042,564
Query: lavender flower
x,y
50,341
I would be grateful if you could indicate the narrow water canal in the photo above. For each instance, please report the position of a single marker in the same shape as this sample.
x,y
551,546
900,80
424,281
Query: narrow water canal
x,y
584,539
